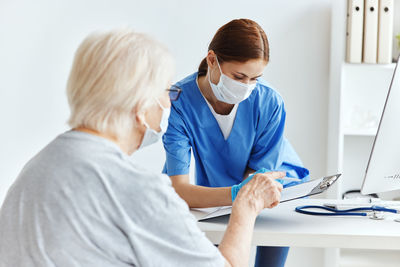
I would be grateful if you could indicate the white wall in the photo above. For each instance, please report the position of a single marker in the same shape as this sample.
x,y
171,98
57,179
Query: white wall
x,y
38,40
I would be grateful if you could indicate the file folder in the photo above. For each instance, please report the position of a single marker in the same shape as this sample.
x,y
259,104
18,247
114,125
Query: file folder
x,y
370,31
385,31
355,25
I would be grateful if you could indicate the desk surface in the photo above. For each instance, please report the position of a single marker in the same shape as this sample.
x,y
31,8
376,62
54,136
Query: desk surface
x,y
282,226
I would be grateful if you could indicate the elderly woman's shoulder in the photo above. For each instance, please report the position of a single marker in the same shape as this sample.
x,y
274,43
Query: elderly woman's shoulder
x,y
81,158
88,166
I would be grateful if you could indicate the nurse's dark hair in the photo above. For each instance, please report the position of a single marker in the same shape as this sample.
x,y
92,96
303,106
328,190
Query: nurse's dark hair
x,y
239,40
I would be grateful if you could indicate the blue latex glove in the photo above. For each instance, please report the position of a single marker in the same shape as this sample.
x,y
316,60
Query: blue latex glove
x,y
235,189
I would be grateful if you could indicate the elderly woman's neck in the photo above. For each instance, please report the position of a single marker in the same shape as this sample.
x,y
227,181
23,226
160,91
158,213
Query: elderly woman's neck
x,y
127,145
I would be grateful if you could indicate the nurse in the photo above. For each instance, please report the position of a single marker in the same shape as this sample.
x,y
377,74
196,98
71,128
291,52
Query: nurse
x,y
232,122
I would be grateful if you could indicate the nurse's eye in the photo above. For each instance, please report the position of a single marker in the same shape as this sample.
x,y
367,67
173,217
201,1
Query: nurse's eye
x,y
237,77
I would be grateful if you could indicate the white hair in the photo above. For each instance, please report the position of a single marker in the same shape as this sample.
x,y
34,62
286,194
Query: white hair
x,y
112,73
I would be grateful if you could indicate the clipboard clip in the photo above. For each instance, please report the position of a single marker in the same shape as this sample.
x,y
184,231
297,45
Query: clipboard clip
x,y
328,181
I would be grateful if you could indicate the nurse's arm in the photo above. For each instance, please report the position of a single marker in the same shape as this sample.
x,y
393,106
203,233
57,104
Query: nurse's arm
x,y
201,196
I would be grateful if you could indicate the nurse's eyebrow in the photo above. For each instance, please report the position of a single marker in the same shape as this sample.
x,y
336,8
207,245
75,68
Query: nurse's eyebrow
x,y
248,76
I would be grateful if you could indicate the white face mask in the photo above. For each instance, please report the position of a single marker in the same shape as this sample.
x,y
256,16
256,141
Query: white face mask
x,y
230,91
151,136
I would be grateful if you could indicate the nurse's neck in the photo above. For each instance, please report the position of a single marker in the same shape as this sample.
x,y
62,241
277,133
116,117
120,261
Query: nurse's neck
x,y
219,107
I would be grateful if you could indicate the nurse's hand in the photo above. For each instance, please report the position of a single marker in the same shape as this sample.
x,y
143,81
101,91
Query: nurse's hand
x,y
262,191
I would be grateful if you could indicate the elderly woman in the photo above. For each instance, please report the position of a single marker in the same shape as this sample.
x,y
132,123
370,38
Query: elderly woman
x,y
82,201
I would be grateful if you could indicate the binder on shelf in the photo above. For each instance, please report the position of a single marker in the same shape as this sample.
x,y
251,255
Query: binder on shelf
x,y
385,31
370,31
355,24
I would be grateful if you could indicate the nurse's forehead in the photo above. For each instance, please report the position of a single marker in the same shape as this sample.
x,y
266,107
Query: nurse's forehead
x,y
250,68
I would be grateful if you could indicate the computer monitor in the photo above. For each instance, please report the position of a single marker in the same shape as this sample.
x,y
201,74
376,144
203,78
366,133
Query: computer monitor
x,y
383,169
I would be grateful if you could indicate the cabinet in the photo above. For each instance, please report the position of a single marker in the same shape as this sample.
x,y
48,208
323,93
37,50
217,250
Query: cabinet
x,y
356,98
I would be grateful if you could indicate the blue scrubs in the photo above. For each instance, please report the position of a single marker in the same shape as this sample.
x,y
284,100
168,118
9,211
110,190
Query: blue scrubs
x,y
256,141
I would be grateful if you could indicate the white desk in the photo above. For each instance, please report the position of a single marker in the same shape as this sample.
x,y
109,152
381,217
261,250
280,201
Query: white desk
x,y
282,226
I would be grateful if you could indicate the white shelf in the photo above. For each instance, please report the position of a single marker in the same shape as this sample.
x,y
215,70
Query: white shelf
x,y
363,90
369,67
360,132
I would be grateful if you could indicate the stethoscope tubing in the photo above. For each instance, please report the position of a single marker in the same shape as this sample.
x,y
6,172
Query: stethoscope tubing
x,y
344,212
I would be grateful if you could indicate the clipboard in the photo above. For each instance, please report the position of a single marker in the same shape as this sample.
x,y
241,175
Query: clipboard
x,y
310,188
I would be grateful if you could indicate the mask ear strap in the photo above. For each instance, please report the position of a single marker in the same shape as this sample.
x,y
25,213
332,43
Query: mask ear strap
x,y
216,58
159,103
209,70
142,119
146,125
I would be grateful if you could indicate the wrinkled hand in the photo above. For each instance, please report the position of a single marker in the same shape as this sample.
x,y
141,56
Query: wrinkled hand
x,y
262,191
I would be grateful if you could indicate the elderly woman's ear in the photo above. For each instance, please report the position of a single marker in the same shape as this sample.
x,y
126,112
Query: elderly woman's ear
x,y
139,115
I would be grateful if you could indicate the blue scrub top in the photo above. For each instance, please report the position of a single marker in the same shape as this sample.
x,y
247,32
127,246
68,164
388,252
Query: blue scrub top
x,y
256,140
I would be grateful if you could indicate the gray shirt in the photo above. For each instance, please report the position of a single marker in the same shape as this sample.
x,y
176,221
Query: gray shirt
x,y
82,202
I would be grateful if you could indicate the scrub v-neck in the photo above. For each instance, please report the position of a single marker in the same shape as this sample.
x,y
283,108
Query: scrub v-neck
x,y
215,125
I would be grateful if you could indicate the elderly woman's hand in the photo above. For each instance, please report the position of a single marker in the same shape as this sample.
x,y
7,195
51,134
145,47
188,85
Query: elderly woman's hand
x,y
262,191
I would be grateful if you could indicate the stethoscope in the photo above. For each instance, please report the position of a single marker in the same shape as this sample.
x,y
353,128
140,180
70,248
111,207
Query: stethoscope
x,y
373,212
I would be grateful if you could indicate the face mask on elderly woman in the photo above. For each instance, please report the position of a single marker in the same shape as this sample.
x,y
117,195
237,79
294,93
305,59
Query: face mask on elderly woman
x,y
151,136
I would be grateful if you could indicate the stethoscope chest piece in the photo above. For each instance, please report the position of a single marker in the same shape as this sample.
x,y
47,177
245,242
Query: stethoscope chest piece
x,y
377,215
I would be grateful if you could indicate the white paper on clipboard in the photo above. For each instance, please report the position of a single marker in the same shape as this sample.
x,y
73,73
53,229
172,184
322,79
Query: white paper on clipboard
x,y
309,188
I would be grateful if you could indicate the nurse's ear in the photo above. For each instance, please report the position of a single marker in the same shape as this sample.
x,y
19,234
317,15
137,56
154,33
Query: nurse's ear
x,y
211,59
213,70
